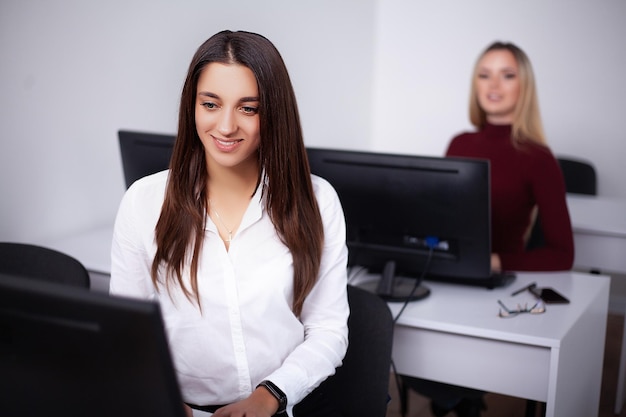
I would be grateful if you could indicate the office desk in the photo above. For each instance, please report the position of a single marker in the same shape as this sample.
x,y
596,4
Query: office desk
x,y
93,249
455,336
599,225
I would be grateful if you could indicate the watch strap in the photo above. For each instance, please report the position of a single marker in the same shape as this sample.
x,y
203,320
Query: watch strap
x,y
277,393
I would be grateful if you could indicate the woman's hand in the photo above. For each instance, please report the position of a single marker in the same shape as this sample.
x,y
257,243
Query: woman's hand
x,y
261,403
496,265
188,410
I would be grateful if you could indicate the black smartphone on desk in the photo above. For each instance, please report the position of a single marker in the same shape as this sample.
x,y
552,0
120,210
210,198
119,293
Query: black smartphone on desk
x,y
549,295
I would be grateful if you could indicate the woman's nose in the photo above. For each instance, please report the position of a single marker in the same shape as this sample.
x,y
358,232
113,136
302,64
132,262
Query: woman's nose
x,y
227,123
494,81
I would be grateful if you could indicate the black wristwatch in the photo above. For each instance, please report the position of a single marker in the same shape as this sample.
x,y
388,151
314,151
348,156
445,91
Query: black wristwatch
x,y
276,392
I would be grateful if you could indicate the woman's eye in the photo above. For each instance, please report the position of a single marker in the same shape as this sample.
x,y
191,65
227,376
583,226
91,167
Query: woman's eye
x,y
483,76
510,76
209,105
249,110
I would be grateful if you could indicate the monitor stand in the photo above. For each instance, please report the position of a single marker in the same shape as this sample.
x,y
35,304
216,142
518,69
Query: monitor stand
x,y
500,279
397,289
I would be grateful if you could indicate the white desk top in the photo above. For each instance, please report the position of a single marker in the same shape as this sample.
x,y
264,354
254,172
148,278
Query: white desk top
x,y
597,215
473,311
92,248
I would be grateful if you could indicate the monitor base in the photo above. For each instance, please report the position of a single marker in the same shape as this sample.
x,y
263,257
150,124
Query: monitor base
x,y
394,288
403,289
495,280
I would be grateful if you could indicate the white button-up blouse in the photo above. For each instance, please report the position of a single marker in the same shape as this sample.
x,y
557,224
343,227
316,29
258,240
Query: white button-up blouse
x,y
246,331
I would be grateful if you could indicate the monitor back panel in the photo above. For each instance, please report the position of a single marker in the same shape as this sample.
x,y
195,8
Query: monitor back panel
x,y
71,352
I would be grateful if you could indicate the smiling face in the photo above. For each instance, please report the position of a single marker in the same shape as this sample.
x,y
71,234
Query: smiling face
x,y
226,115
498,86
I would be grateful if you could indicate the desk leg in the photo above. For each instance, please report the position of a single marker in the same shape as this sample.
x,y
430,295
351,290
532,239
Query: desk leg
x,y
619,394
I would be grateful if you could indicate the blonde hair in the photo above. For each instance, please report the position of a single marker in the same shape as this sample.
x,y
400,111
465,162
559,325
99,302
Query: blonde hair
x,y
527,124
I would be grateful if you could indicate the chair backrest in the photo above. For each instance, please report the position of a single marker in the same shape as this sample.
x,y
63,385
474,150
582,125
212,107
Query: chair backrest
x,y
37,262
144,153
580,176
360,387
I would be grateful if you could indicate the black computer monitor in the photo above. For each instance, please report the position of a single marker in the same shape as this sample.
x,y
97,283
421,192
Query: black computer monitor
x,y
67,351
413,216
144,153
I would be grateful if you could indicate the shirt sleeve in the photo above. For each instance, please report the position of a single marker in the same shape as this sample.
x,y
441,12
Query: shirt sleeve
x,y
325,310
132,249
557,252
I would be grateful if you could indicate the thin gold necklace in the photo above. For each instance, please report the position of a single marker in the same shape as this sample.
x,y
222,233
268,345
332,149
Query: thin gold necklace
x,y
230,232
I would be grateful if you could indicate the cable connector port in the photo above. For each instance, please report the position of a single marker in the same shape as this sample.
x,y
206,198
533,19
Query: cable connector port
x,y
430,242
435,243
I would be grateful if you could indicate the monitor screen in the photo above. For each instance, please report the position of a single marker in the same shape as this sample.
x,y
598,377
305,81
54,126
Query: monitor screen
x,y
144,153
413,216
67,351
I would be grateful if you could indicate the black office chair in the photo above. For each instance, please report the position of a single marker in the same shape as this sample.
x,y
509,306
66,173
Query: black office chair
x,y
360,387
144,153
37,262
580,178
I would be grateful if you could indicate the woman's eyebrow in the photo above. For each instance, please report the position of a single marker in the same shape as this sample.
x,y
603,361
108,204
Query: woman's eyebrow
x,y
208,94
241,100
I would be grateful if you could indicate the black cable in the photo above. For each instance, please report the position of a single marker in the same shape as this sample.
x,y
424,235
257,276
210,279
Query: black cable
x,y
418,282
354,272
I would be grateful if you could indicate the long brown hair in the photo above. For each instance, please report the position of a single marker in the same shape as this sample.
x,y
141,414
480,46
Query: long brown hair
x,y
526,119
287,187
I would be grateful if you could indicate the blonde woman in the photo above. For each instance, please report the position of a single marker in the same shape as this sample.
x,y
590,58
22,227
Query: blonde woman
x,y
526,180
526,185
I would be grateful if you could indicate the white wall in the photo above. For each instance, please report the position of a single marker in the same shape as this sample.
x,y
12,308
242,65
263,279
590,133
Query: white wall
x,y
73,73
389,75
426,50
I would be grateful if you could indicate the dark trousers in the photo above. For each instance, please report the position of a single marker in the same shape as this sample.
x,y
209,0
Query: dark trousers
x,y
317,404
444,395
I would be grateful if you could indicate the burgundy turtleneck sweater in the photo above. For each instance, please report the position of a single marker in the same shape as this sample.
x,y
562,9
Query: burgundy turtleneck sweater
x,y
522,177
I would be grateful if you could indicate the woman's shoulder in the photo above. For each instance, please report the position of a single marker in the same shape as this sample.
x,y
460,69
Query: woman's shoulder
x,y
321,187
141,205
462,143
538,152
149,188
540,161
465,135
324,191
156,180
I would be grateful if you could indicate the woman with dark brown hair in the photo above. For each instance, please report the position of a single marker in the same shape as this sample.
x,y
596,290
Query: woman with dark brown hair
x,y
242,247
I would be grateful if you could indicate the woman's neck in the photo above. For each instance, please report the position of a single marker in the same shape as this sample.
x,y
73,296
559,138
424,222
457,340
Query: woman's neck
x,y
229,191
499,120
232,185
